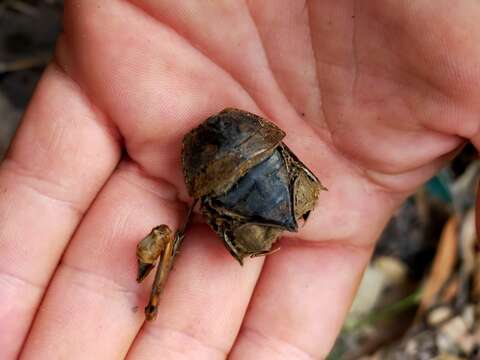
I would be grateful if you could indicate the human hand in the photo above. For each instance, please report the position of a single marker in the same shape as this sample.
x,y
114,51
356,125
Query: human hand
x,y
374,97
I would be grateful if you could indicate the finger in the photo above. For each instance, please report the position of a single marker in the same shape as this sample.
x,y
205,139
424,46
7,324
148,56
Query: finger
x,y
59,159
306,288
93,308
237,48
300,302
94,287
203,305
290,55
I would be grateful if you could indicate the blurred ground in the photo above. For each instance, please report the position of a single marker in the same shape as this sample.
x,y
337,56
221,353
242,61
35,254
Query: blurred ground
x,y
28,30
420,296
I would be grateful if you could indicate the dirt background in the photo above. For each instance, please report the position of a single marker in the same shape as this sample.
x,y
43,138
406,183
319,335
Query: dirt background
x,y
28,31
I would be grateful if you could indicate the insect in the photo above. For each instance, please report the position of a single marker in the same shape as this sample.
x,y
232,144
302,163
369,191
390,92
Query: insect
x,y
250,188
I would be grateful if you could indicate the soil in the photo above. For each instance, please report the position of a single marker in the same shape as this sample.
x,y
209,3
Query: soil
x,y
28,32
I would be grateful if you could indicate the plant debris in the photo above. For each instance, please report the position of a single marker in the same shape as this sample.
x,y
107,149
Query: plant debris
x,y
430,307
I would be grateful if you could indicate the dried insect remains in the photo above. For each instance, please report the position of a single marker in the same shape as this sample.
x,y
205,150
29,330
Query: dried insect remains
x,y
250,187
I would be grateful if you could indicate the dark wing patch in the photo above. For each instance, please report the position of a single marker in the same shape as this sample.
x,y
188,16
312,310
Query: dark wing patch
x,y
263,194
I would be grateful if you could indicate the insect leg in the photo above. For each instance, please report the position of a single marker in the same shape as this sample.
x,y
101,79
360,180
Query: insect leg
x,y
180,233
150,249
167,252
265,253
164,266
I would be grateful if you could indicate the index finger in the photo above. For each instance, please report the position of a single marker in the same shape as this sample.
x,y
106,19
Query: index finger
x,y
60,158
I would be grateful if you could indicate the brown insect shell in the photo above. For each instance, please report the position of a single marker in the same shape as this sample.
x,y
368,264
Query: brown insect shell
x,y
223,148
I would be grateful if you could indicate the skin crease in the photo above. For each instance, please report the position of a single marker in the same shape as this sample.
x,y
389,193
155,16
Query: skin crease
x,y
374,97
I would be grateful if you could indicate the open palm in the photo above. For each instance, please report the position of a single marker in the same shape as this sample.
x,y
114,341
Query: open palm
x,y
374,97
